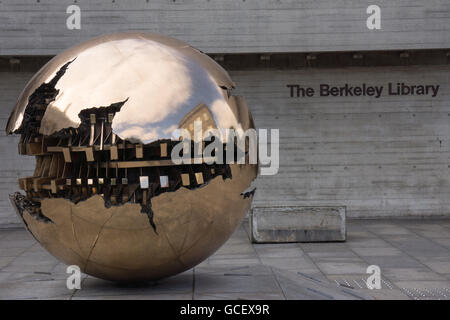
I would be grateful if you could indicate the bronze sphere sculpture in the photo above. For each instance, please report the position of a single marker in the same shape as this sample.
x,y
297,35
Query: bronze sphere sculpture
x,y
105,194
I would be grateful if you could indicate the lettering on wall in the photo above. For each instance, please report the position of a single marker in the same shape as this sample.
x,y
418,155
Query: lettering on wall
x,y
363,90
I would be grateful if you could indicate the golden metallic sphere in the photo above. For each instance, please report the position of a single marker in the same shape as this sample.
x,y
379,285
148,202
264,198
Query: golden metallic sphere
x,y
105,195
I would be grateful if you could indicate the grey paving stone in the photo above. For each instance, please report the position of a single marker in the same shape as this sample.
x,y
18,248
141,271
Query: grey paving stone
x,y
207,283
356,224
278,251
30,277
37,256
402,274
21,243
313,274
439,266
233,270
4,232
4,276
353,259
427,293
382,251
21,234
430,230
402,261
422,284
418,246
36,247
324,247
388,230
182,283
52,298
240,296
443,242
240,270
315,256
362,242
234,256
23,264
436,233
233,262
342,267
372,223
360,233
387,294
11,252
298,287
298,263
238,248
34,290
146,296
4,261
287,245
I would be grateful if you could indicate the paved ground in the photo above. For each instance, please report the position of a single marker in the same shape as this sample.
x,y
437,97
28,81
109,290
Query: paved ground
x,y
414,257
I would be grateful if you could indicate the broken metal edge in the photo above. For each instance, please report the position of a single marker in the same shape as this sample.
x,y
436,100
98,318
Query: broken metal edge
x,y
19,202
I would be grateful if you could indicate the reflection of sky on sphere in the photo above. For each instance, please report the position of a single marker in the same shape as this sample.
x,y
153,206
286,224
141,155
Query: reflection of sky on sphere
x,y
161,83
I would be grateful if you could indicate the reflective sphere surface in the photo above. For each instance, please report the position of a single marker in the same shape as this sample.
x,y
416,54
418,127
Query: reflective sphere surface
x,y
105,195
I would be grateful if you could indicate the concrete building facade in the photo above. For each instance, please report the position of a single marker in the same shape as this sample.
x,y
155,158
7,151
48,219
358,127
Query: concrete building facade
x,y
379,143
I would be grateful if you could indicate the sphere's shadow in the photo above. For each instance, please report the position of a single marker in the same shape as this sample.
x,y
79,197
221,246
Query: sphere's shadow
x,y
178,286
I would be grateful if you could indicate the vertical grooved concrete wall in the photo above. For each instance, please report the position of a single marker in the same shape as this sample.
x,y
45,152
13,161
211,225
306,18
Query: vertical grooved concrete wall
x,y
232,26
379,157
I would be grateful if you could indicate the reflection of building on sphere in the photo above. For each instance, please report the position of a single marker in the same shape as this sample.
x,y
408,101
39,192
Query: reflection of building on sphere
x,y
105,194
200,113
